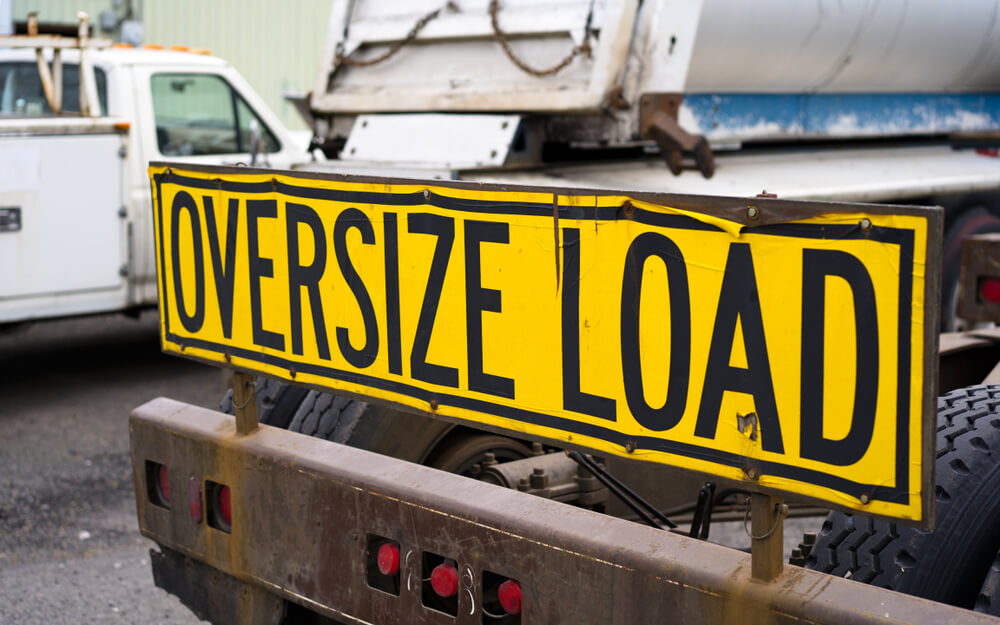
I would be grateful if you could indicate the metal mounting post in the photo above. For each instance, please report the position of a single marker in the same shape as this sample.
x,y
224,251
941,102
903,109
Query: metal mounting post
x,y
767,515
245,402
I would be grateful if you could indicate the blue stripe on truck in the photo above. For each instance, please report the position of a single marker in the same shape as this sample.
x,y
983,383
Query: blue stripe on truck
x,y
744,116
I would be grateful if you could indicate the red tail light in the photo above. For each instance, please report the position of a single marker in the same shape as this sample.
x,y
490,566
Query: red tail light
x,y
163,480
509,594
989,290
225,505
388,559
444,579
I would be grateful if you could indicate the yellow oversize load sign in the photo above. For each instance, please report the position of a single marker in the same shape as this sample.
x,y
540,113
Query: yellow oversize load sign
x,y
796,356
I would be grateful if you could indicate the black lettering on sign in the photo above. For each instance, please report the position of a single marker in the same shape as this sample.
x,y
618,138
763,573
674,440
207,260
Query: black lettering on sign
x,y
573,398
260,268
184,202
477,300
444,229
739,302
817,265
223,270
354,218
306,276
392,339
668,415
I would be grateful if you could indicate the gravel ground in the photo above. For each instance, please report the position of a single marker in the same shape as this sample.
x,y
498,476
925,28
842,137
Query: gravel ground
x,y
70,549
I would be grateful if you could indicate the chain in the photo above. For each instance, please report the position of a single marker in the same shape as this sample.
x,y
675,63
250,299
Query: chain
x,y
499,35
343,59
781,512
583,48
250,395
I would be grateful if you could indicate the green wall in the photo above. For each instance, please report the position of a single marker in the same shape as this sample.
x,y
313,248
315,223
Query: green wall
x,y
275,44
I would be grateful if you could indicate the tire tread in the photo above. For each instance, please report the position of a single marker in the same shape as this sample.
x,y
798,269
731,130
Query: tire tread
x,y
904,558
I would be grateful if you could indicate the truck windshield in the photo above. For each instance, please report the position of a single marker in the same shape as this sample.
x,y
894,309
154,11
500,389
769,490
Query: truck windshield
x,y
21,90
203,114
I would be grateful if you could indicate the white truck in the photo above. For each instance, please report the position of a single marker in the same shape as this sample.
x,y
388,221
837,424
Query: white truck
x,y
75,232
863,101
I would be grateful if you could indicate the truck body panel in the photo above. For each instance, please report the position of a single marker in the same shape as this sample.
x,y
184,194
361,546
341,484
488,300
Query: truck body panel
x,y
68,254
86,181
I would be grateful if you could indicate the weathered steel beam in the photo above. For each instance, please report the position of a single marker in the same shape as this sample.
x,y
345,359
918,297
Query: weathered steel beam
x,y
305,512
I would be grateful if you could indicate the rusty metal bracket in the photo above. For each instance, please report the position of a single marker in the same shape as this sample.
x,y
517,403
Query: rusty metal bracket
x,y
766,533
658,122
306,514
245,402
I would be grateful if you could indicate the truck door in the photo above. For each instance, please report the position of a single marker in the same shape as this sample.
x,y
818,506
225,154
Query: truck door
x,y
203,117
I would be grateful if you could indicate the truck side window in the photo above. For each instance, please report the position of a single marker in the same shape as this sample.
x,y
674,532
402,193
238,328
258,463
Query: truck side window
x,y
21,89
203,114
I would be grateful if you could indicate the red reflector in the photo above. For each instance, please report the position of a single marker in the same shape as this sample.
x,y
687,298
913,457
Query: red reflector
x,y
444,579
509,595
225,504
194,500
388,559
990,290
164,482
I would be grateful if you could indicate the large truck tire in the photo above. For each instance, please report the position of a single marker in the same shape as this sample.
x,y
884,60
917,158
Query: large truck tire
x,y
950,563
401,435
377,428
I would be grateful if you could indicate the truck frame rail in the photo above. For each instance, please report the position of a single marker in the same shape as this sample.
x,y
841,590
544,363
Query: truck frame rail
x,y
303,519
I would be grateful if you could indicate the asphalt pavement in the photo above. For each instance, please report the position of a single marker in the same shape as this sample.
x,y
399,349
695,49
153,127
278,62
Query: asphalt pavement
x,y
70,548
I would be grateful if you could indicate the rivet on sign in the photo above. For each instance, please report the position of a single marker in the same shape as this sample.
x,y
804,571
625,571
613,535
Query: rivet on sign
x,y
227,357
434,404
751,472
292,372
866,224
427,194
628,209
865,498
630,446
274,183
752,212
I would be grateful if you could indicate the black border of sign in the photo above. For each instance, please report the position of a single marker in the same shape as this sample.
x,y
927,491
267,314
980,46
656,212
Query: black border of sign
x,y
898,494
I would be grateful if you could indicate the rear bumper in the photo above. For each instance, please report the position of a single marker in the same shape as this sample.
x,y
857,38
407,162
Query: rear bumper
x,y
304,512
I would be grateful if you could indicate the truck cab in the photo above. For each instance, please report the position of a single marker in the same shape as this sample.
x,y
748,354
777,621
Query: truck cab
x,y
75,197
